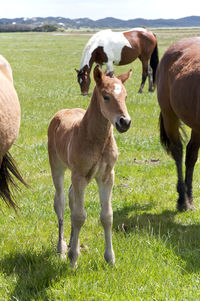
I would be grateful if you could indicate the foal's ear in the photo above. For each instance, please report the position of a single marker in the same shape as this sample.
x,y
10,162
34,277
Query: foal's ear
x,y
76,70
125,76
98,75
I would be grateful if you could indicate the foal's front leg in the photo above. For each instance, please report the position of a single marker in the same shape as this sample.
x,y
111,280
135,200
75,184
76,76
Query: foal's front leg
x,y
105,192
78,215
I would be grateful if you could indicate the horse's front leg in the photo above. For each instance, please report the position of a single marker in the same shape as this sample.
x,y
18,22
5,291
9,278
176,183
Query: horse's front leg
x,y
105,191
78,215
109,68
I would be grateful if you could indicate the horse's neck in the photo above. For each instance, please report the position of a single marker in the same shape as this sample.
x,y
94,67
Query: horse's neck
x,y
87,57
98,128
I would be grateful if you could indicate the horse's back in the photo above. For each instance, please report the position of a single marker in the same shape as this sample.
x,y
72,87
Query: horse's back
x,y
9,113
178,79
61,129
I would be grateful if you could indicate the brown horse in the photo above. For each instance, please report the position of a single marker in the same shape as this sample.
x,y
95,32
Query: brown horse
x,y
9,128
178,91
119,48
83,141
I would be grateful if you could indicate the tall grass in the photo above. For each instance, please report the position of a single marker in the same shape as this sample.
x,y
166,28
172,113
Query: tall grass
x,y
157,249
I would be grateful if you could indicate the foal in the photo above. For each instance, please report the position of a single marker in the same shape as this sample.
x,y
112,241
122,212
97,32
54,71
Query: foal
x,y
83,141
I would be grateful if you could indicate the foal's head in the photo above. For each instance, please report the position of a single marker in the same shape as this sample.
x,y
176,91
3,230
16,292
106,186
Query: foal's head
x,y
83,77
112,98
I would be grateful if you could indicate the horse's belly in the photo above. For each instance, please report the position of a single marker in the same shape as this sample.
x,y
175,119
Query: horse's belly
x,y
9,116
128,55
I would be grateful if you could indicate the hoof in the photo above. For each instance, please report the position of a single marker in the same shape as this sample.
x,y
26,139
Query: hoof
x,y
62,248
151,90
110,257
185,206
72,258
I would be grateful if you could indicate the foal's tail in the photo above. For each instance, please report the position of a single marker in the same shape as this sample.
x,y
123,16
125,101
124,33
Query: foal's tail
x,y
163,135
8,169
154,60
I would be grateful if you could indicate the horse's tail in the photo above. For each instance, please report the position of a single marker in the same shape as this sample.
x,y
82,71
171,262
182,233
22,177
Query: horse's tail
x,y
154,60
8,169
163,135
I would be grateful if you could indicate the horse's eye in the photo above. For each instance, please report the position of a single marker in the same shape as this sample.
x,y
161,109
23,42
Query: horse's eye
x,y
106,98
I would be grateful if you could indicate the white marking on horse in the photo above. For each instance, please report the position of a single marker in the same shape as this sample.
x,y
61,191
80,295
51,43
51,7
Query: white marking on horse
x,y
117,89
80,80
112,43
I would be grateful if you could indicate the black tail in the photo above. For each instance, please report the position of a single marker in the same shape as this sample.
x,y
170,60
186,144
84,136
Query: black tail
x,y
154,60
163,136
7,170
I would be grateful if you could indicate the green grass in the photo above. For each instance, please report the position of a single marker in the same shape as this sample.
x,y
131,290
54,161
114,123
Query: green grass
x,y
157,249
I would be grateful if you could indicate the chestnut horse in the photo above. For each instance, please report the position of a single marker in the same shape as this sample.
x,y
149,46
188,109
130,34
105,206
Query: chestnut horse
x,y
119,48
9,128
178,91
83,141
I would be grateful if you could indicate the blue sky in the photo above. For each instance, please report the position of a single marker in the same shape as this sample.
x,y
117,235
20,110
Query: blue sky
x,y
93,9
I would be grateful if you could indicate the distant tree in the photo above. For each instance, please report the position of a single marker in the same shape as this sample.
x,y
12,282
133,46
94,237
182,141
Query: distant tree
x,y
45,28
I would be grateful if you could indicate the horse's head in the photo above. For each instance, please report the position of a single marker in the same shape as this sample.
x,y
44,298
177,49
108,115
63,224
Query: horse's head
x,y
112,98
83,77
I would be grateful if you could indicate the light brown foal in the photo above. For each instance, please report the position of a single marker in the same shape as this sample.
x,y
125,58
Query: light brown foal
x,y
83,141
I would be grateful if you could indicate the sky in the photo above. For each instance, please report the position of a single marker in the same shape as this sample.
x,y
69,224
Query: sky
x,y
93,9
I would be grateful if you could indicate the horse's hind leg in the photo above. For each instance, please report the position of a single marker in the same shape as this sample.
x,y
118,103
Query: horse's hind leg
x,y
174,146
191,158
105,191
150,78
144,74
59,202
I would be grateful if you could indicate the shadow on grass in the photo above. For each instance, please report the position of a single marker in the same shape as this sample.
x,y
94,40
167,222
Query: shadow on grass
x,y
34,273
183,239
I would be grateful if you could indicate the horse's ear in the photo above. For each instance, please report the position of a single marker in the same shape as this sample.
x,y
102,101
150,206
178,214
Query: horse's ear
x,y
77,70
98,75
125,76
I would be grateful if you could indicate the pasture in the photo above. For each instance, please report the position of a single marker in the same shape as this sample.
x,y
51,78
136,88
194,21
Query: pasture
x,y
157,249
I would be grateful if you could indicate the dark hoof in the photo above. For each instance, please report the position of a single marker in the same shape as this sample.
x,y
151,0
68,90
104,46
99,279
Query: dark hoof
x,y
151,90
185,206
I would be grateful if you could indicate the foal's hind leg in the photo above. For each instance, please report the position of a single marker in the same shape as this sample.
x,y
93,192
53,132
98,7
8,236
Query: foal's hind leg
x,y
59,203
171,125
191,158
105,191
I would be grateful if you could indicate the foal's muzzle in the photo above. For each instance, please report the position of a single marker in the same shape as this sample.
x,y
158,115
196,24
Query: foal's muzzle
x,y
123,124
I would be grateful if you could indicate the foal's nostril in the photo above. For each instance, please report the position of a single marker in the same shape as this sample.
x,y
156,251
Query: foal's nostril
x,y
125,122
122,121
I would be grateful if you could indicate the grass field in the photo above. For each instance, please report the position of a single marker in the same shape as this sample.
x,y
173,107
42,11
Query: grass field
x,y
157,249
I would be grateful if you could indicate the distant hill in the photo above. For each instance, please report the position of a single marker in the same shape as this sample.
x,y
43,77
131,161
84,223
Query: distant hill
x,y
59,22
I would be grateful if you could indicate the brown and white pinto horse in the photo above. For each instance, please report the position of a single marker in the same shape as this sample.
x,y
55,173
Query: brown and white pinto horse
x,y
83,141
119,48
9,128
178,90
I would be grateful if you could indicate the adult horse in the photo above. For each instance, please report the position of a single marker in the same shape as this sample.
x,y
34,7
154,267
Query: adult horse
x,y
178,91
9,128
83,141
119,48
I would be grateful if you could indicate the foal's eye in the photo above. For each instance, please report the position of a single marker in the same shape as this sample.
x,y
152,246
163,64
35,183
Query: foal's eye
x,y
106,98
